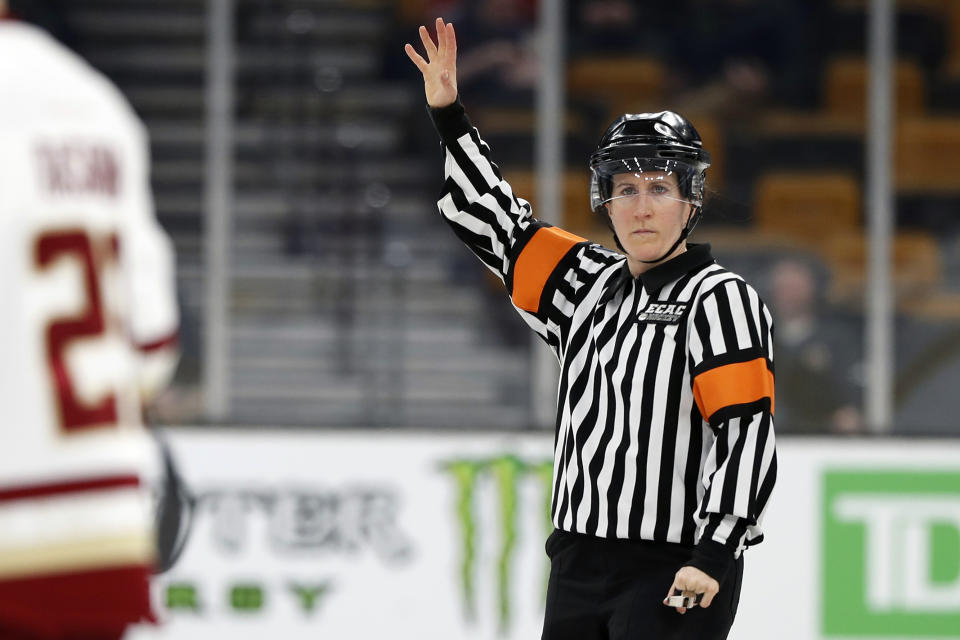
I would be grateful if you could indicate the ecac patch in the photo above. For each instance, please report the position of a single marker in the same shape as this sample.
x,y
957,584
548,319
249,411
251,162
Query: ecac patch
x,y
666,313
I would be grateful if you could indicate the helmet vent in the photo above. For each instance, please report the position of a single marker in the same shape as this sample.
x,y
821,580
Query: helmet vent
x,y
664,130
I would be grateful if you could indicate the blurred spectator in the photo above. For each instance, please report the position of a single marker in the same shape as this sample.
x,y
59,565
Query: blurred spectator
x,y
815,357
723,57
417,12
615,27
498,65
728,56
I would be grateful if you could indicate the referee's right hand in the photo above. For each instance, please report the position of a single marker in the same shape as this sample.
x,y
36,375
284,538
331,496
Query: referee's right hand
x,y
693,582
440,73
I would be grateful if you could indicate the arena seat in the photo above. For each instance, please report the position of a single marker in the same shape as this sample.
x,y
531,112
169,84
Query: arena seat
x,y
926,154
577,218
845,92
806,204
713,141
916,266
624,84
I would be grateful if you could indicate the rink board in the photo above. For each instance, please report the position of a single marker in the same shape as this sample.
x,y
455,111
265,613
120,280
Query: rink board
x,y
373,534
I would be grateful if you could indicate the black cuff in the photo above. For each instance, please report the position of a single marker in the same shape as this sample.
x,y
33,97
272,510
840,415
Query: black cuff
x,y
450,121
713,558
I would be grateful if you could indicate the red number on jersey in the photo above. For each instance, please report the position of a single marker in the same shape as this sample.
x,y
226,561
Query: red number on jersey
x,y
74,413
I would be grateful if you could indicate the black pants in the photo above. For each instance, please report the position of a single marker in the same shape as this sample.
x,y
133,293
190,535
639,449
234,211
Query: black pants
x,y
614,589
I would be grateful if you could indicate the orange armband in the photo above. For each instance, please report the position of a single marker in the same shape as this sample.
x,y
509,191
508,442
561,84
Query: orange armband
x,y
733,384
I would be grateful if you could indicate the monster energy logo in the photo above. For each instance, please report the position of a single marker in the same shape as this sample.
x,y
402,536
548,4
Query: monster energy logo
x,y
507,472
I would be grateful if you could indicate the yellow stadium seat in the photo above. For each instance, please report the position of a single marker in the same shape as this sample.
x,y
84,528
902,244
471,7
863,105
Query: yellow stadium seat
x,y
625,84
916,268
575,199
516,120
847,80
499,120
712,136
927,154
809,206
577,215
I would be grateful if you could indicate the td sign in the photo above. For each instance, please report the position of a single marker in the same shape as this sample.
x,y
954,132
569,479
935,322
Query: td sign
x,y
891,559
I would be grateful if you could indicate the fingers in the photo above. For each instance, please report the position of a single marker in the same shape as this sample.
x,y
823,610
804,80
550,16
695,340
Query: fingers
x,y
446,42
678,588
675,590
428,44
707,598
694,584
441,37
451,41
439,65
415,57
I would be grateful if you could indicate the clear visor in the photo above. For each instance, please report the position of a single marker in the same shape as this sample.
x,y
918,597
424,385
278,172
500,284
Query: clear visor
x,y
623,182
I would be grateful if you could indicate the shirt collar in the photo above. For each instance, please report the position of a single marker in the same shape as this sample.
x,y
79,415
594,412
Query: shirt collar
x,y
696,256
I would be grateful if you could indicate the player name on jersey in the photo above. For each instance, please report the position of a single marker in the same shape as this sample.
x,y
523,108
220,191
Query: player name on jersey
x,y
78,168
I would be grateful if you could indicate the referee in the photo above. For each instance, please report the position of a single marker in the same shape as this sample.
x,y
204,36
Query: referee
x,y
664,447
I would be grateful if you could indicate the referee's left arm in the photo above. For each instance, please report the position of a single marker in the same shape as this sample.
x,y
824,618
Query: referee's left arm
x,y
731,362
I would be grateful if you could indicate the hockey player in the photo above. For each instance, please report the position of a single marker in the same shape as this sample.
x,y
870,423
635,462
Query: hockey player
x,y
89,327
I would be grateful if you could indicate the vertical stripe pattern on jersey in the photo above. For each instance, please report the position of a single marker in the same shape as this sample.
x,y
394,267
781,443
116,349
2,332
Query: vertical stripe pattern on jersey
x,y
664,427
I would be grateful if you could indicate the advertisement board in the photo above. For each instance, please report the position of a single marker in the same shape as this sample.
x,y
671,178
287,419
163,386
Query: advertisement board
x,y
359,535
863,541
435,535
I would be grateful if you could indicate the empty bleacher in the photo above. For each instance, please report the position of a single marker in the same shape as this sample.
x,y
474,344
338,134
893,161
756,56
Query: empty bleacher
x,y
352,304
346,308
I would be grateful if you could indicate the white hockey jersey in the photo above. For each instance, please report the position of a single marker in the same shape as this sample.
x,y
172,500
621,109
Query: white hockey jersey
x,y
89,320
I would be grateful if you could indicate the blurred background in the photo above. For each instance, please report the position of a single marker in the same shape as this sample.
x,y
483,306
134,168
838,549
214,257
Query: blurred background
x,y
346,302
296,169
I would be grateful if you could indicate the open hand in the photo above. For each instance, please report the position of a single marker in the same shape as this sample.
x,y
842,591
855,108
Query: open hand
x,y
440,73
690,581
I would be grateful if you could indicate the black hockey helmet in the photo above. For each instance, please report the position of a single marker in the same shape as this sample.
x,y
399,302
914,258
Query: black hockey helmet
x,y
644,142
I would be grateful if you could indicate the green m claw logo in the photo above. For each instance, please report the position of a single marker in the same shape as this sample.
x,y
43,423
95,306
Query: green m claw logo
x,y
507,472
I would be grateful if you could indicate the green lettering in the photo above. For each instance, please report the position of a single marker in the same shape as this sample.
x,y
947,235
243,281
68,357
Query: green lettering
x,y
945,552
246,597
182,596
307,596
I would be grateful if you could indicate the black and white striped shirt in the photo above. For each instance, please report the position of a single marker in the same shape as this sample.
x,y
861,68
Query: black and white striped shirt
x,y
665,404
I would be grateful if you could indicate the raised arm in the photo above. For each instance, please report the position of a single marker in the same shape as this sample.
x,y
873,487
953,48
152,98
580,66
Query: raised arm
x,y
543,268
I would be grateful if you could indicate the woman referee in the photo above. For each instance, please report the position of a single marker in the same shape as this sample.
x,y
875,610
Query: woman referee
x,y
664,458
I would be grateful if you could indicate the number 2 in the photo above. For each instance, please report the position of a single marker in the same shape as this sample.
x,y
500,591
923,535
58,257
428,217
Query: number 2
x,y
75,415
